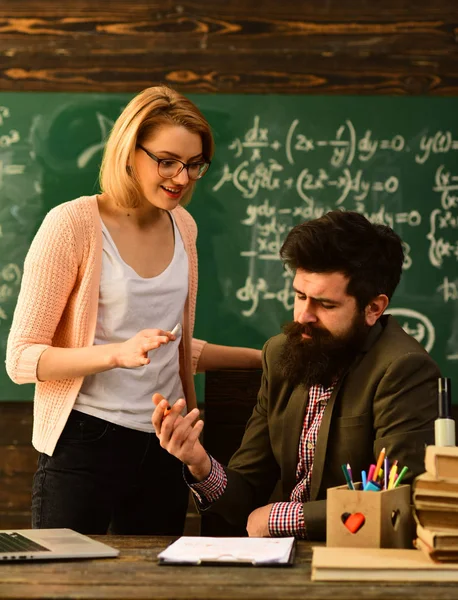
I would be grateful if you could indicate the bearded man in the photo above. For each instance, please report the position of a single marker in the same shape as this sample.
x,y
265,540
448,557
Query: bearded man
x,y
342,382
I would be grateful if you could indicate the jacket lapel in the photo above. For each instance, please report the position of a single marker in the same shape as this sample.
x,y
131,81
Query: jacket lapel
x,y
322,443
323,434
292,429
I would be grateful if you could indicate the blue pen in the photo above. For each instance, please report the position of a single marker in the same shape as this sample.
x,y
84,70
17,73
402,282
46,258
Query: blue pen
x,y
385,473
363,479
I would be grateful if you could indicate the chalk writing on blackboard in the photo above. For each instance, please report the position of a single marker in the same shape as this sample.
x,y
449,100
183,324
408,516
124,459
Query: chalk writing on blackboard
x,y
438,143
417,325
105,125
281,174
6,169
10,273
10,278
264,167
449,290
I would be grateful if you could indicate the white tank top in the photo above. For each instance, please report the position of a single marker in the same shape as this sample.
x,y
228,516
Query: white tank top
x,y
129,303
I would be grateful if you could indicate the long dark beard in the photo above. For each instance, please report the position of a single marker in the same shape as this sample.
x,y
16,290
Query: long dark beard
x,y
323,357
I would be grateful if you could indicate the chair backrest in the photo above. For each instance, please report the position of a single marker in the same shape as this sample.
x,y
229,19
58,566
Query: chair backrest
x,y
230,396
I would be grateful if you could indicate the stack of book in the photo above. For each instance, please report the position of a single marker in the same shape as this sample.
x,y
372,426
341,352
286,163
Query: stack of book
x,y
435,499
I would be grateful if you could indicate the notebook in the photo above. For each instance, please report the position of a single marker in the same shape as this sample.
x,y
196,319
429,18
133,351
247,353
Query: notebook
x,y
49,544
378,564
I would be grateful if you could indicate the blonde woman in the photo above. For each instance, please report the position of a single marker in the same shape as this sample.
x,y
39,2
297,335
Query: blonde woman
x,y
106,280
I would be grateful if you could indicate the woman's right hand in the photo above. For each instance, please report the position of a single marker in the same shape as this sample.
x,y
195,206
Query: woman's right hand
x,y
134,352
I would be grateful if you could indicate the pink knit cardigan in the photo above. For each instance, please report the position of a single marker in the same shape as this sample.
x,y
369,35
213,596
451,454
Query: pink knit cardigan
x,y
57,306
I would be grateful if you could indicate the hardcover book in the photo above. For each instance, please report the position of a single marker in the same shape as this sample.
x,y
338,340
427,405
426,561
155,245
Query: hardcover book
x,y
378,564
442,462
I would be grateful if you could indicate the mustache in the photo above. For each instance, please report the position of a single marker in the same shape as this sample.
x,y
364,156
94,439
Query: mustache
x,y
294,331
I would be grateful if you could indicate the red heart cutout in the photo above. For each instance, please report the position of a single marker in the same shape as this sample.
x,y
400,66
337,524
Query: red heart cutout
x,y
353,521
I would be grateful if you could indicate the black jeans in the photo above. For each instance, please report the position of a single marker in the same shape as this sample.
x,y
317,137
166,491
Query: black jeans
x,y
103,476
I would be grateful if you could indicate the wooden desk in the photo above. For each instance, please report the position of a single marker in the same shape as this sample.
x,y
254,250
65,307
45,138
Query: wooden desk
x,y
136,574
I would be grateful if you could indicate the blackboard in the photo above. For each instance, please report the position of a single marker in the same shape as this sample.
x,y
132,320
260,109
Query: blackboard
x,y
279,160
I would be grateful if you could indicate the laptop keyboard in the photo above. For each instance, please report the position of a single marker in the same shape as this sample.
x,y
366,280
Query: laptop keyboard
x,y
13,542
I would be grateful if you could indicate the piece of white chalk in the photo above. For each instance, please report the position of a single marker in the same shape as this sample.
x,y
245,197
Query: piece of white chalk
x,y
176,330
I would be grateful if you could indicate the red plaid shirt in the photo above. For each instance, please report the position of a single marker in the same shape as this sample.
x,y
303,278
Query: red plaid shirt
x,y
286,518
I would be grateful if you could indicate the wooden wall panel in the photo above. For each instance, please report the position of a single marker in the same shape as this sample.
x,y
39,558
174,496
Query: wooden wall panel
x,y
293,46
18,461
230,396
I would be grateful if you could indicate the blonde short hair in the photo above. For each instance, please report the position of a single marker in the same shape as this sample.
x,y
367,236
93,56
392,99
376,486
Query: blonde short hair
x,y
150,109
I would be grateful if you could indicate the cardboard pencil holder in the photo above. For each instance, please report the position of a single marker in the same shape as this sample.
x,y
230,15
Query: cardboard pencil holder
x,y
387,523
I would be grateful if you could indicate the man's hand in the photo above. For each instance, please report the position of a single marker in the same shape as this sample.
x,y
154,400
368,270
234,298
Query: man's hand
x,y
258,522
180,435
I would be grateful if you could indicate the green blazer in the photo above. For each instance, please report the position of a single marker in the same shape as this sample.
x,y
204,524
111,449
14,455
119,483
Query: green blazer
x,y
386,399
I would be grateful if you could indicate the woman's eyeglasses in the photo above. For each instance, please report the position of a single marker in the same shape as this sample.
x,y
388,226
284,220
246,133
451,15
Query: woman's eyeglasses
x,y
168,168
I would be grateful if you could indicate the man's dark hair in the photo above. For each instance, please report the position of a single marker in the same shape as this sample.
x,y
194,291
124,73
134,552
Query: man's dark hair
x,y
371,256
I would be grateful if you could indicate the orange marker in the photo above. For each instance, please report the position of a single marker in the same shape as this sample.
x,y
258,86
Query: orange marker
x,y
157,399
378,466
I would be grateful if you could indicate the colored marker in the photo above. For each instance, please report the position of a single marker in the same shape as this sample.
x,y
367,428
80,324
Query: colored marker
x,y
394,470
385,473
372,486
401,476
371,472
348,478
350,474
168,408
378,466
363,479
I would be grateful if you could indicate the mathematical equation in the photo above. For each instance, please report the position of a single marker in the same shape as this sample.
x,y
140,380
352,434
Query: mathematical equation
x,y
279,188
271,225
10,274
249,179
443,221
346,146
7,140
413,322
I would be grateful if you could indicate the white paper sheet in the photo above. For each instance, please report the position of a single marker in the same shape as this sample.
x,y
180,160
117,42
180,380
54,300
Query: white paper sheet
x,y
198,550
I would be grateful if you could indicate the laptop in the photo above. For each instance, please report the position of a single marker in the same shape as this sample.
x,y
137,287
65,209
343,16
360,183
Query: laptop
x,y
49,544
